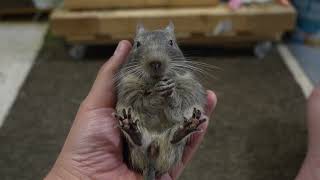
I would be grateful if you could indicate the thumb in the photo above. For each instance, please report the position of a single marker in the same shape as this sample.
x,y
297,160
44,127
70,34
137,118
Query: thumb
x,y
102,93
119,57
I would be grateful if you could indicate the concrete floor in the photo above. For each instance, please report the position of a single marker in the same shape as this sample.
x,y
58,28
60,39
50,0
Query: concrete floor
x,y
308,58
19,46
257,132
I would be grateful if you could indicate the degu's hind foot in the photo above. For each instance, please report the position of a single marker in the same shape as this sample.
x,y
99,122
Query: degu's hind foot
x,y
189,126
129,126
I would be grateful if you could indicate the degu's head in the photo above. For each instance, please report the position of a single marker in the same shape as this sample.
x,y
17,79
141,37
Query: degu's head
x,y
156,51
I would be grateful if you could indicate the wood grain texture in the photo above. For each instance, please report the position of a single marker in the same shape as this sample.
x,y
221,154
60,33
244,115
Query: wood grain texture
x,y
102,4
261,21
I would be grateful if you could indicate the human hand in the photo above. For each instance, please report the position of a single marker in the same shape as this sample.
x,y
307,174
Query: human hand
x,y
284,2
93,148
310,169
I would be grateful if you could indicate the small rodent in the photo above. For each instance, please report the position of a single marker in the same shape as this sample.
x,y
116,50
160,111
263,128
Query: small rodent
x,y
160,102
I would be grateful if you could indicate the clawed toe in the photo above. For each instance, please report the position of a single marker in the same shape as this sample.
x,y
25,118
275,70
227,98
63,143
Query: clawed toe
x,y
129,126
189,126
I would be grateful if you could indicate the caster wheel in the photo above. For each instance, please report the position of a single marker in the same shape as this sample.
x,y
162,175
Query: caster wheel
x,y
262,49
77,52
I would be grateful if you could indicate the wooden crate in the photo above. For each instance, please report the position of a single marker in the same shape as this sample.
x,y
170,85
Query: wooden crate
x,y
103,4
191,24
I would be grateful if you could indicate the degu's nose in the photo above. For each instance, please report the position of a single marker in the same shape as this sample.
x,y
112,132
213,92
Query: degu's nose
x,y
155,65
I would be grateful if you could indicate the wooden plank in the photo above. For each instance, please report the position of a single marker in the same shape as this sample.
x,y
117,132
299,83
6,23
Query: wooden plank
x,y
102,4
235,41
256,19
117,24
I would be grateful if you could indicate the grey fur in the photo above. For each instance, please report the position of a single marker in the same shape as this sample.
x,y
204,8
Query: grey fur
x,y
161,97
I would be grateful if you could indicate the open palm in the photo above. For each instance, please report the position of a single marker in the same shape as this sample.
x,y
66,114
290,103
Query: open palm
x,y
93,149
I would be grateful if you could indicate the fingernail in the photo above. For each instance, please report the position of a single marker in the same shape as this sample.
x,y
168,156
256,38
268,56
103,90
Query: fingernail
x,y
118,49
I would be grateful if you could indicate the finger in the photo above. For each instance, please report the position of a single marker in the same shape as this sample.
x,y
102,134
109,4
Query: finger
x,y
195,138
102,92
285,2
211,103
165,177
313,122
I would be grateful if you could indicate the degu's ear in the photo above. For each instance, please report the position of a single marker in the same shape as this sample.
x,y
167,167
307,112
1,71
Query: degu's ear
x,y
140,29
170,28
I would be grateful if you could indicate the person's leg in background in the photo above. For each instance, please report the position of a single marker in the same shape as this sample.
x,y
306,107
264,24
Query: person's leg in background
x,y
310,169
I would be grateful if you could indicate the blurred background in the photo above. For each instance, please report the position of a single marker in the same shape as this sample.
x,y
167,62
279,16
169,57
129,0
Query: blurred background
x,y
267,53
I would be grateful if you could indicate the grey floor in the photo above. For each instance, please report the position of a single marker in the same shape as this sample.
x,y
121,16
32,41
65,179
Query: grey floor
x,y
309,59
257,132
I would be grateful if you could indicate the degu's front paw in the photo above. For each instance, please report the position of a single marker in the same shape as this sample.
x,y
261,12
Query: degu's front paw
x,y
189,126
129,126
165,87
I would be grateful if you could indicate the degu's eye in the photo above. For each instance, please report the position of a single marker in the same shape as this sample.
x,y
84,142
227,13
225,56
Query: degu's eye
x,y
171,42
138,44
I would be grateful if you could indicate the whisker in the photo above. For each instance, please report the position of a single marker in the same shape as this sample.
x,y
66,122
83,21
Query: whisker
x,y
196,63
124,73
199,64
193,69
